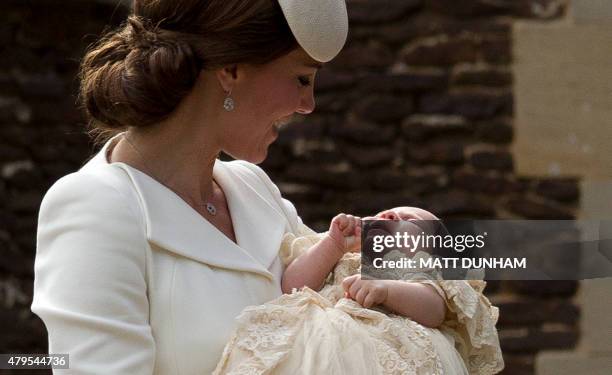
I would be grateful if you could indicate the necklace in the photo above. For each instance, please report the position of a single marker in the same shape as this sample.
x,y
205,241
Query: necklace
x,y
210,207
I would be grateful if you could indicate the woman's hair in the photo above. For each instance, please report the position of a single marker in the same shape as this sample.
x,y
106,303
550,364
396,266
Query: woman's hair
x,y
137,74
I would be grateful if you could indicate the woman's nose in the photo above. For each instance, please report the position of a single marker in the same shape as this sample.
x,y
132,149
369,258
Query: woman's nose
x,y
307,103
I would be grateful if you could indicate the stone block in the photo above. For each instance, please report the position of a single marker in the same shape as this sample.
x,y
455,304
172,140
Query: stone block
x,y
360,55
430,24
531,208
368,203
424,128
540,9
426,180
328,79
326,176
484,181
24,179
473,105
299,192
520,311
446,50
533,339
11,153
481,75
309,128
437,152
384,108
388,179
473,7
276,159
495,131
46,84
26,331
380,11
363,132
517,364
560,189
332,103
457,204
368,157
491,160
25,201
543,288
441,50
405,82
496,50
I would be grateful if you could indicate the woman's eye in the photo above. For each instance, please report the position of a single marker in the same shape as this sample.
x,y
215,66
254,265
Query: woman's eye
x,y
304,81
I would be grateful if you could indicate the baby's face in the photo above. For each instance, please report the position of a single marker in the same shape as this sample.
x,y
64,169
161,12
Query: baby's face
x,y
405,213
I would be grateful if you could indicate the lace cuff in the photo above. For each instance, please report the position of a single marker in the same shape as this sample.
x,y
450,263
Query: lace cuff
x,y
295,244
470,320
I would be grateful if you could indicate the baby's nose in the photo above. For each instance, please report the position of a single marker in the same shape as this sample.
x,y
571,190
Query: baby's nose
x,y
390,216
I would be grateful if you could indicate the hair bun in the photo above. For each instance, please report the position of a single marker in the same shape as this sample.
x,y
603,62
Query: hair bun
x,y
138,75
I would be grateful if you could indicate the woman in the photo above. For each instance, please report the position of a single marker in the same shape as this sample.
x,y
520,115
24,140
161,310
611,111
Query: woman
x,y
147,254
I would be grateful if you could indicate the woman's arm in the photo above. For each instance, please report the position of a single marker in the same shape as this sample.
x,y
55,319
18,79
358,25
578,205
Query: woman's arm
x,y
90,288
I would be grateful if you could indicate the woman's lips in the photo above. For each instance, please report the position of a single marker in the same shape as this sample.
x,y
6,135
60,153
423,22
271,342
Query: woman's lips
x,y
278,124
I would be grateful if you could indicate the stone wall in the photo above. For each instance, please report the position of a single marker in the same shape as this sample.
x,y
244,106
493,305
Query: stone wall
x,y
417,110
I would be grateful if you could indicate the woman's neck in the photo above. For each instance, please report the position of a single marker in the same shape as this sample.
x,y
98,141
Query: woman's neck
x,y
174,156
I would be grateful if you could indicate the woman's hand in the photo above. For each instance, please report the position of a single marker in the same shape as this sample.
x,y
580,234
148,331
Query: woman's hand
x,y
345,232
367,293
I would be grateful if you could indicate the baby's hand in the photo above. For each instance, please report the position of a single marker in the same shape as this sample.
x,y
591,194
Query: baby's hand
x,y
367,293
345,231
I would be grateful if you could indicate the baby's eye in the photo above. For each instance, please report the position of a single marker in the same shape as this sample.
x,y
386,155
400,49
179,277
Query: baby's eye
x,y
304,81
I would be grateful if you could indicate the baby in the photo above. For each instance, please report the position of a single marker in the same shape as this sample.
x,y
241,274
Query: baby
x,y
416,301
330,321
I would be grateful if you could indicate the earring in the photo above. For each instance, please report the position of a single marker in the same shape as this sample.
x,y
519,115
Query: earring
x,y
228,103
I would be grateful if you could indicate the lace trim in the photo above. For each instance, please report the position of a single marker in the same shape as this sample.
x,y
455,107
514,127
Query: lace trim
x,y
266,333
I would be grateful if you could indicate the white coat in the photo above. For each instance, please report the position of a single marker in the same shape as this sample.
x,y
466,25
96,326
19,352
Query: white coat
x,y
129,279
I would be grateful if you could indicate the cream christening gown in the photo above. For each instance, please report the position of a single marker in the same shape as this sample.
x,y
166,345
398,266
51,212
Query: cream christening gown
x,y
324,333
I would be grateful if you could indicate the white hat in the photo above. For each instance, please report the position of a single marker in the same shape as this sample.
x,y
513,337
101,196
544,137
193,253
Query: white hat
x,y
319,26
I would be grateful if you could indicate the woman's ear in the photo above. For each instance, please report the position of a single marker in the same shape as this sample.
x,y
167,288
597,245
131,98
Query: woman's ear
x,y
227,77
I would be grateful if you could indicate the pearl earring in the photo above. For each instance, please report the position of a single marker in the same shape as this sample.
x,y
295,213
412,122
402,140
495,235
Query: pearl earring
x,y
228,103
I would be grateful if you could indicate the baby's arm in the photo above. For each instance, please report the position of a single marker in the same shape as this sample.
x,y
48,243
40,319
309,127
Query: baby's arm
x,y
311,268
419,302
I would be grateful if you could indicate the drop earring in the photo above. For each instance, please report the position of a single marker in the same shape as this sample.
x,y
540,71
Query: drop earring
x,y
228,103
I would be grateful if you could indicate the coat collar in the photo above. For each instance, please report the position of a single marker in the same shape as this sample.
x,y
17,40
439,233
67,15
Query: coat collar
x,y
176,227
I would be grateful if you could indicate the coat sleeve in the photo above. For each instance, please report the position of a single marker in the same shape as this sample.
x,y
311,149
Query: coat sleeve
x,y
90,288
287,208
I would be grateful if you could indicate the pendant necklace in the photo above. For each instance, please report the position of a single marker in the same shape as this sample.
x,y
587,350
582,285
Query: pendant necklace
x,y
210,207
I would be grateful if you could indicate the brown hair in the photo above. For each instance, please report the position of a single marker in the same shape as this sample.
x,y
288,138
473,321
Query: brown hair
x,y
137,74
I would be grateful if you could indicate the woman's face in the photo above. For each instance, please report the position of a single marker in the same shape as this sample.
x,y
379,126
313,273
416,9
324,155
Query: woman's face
x,y
266,97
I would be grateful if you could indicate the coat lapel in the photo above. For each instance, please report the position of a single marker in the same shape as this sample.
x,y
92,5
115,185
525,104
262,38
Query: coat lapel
x,y
176,227
259,225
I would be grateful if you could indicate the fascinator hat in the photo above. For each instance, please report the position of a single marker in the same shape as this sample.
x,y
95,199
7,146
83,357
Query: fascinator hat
x,y
319,26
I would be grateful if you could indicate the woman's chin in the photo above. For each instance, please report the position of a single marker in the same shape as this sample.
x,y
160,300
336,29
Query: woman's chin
x,y
256,158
